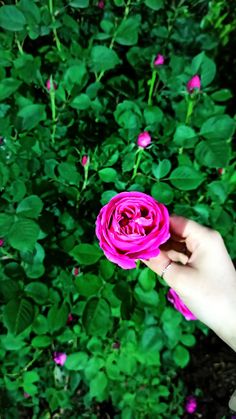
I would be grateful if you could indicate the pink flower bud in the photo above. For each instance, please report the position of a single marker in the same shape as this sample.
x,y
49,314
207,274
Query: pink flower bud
x,y
116,345
76,271
59,358
85,160
144,139
101,4
194,83
191,404
48,85
221,171
26,395
69,319
1,242
159,60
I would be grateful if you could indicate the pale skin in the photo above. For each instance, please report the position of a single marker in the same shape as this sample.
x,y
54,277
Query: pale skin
x,y
201,273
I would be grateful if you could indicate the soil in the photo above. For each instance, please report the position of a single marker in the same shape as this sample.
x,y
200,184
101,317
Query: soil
x,y
212,369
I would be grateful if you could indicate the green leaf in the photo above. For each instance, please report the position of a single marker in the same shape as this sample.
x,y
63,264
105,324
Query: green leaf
x,y
220,127
30,207
81,102
8,86
181,356
186,178
185,136
221,95
6,221
152,115
18,314
147,279
154,4
11,18
79,3
108,174
127,33
75,75
162,193
31,116
106,196
76,361
188,340
9,289
98,385
147,298
97,317
30,377
41,342
23,234
57,317
128,162
161,169
213,153
86,254
152,339
37,291
107,269
103,58
88,284
69,173
204,66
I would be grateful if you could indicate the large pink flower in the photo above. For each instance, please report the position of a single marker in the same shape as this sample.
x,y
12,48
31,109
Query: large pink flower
x,y
173,297
132,226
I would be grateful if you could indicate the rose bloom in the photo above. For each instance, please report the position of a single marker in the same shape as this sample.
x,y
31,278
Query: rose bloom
x,y
159,60
194,83
144,139
191,404
132,226
173,297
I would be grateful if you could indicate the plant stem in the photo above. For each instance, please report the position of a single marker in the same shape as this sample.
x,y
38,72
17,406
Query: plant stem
x,y
139,155
152,83
189,110
53,108
58,44
86,167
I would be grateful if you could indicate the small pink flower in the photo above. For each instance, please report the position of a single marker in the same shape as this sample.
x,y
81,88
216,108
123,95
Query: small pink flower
x,y
75,271
194,83
144,139
59,358
173,297
191,404
101,4
48,85
116,345
221,171
85,160
1,242
69,319
159,60
26,395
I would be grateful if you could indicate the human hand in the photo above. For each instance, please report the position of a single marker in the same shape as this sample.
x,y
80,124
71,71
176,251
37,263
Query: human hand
x,y
201,273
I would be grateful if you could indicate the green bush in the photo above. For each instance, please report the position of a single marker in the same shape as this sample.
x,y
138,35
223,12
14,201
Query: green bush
x,y
77,79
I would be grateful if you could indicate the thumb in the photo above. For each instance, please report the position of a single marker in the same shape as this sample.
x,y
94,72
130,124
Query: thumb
x,y
176,274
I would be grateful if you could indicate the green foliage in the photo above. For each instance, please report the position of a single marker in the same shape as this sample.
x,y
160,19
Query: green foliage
x,y
125,343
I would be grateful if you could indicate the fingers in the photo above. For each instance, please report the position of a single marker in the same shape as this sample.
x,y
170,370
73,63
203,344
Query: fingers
x,y
177,256
192,232
175,273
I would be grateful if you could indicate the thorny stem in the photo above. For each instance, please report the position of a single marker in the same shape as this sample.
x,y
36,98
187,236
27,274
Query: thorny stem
x,y
58,44
136,166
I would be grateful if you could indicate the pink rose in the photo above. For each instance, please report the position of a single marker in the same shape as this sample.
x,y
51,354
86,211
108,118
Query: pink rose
x,y
59,358
1,242
144,139
159,60
191,404
85,160
179,305
101,4
194,83
132,226
48,85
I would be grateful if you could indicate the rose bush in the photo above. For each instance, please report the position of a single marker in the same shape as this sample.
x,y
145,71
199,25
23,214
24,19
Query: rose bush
x,y
132,226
